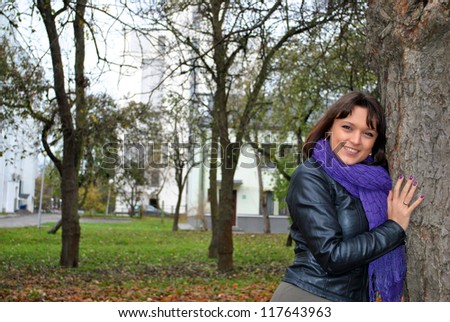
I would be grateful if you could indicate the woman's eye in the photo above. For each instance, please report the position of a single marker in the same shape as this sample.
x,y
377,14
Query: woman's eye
x,y
346,127
369,134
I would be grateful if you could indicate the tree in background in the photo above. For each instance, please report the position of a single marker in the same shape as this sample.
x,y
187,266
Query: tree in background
x,y
69,119
185,134
409,48
64,116
72,125
22,84
95,200
105,118
136,157
130,183
52,189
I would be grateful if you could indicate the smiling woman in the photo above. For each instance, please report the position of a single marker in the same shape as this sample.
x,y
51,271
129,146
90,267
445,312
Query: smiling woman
x,y
352,112
348,227
352,139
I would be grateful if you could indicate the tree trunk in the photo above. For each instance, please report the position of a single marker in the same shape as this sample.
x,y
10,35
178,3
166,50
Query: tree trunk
x,y
201,206
213,251
72,136
225,230
409,48
70,220
220,135
180,185
176,215
229,160
263,210
73,149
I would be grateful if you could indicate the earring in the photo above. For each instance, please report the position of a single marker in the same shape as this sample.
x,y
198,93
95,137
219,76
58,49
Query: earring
x,y
327,135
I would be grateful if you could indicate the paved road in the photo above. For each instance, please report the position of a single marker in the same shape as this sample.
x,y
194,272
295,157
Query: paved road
x,y
24,220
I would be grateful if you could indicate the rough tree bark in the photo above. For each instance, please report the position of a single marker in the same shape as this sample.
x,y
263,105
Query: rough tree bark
x,y
213,249
409,46
224,238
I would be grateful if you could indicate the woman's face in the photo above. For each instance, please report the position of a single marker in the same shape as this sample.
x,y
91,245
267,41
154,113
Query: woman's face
x,y
351,139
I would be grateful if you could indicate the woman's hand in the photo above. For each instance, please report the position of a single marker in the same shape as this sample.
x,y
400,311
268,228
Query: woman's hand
x,y
399,200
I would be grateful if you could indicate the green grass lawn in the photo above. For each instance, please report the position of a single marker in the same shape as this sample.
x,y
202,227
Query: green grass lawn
x,y
142,260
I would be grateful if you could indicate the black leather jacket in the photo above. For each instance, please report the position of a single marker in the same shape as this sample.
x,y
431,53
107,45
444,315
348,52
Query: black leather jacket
x,y
333,244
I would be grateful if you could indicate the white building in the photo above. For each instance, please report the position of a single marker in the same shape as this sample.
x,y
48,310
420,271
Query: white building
x,y
18,173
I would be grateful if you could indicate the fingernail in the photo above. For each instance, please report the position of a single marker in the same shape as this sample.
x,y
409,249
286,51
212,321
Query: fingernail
x,y
400,177
422,196
411,177
415,183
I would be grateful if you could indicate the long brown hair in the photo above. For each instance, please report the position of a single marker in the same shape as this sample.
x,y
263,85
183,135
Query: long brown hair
x,y
341,109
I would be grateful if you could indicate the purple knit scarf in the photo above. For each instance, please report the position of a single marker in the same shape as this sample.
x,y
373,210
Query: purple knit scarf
x,y
371,184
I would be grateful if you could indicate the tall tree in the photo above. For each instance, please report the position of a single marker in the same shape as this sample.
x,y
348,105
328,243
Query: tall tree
x,y
409,49
66,113
73,125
